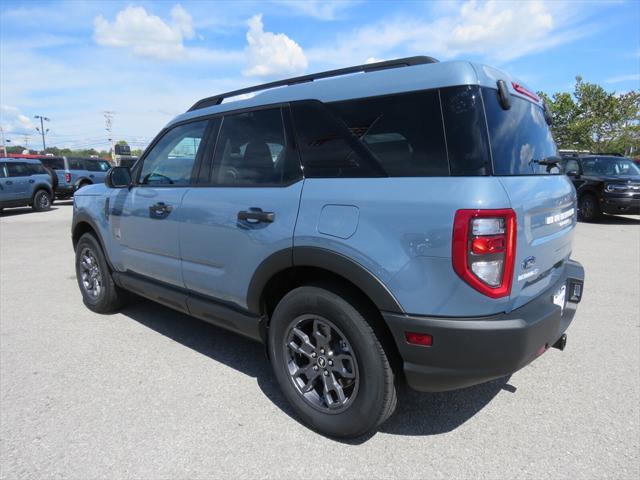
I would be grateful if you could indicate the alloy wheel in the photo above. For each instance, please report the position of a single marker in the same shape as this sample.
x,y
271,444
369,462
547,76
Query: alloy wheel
x,y
90,273
321,363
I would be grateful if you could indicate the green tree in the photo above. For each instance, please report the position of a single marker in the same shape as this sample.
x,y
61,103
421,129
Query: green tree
x,y
596,120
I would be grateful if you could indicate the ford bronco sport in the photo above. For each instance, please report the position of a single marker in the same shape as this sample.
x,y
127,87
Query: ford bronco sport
x,y
24,181
403,220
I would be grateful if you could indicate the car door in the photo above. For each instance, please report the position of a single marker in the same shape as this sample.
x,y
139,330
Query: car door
x,y
245,208
7,187
18,181
146,218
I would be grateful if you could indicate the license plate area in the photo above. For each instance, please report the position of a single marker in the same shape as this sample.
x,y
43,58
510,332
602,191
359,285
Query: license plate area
x,y
560,297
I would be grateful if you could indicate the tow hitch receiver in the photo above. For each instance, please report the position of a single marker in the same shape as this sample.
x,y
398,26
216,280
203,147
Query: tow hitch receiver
x,y
561,342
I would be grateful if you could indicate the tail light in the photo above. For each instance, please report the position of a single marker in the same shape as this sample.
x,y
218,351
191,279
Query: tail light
x,y
67,177
484,249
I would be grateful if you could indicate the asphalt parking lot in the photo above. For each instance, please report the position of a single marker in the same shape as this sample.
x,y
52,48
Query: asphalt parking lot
x,y
150,393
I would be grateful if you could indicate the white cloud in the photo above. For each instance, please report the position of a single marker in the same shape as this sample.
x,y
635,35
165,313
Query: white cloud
x,y
271,53
12,121
497,30
624,78
318,9
145,34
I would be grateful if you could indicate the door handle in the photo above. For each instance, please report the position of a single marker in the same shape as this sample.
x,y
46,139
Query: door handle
x,y
31,180
160,210
256,215
91,176
8,182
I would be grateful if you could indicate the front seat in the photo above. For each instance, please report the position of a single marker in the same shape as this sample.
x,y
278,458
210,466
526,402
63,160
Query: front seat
x,y
257,164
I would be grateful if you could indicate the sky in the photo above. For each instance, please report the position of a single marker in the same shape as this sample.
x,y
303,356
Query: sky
x,y
149,61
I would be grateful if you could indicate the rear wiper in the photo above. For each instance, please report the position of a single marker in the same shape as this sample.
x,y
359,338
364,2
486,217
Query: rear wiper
x,y
553,160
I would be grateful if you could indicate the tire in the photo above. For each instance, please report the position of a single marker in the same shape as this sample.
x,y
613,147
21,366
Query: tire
x,y
41,201
82,184
589,208
99,293
370,397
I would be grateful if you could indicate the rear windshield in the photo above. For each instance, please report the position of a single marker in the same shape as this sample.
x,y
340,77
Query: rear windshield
x,y
56,163
521,141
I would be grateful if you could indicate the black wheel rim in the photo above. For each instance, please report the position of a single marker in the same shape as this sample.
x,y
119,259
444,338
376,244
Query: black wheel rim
x,y
321,364
90,274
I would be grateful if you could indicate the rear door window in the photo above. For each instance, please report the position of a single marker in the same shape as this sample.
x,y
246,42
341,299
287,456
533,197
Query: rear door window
x,y
16,169
327,147
36,168
96,165
403,132
76,164
521,141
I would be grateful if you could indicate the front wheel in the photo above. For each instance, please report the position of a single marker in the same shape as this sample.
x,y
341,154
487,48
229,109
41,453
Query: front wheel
x,y
329,363
41,201
589,208
99,293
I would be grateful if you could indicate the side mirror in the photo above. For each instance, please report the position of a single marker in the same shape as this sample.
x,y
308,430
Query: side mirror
x,y
572,173
118,177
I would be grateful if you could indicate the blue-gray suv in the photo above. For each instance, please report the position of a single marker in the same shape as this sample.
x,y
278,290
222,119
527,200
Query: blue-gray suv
x,y
24,182
74,173
402,220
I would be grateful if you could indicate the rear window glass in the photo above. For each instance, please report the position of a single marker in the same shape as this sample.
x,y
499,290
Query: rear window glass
x,y
36,168
97,165
465,130
521,141
327,147
403,132
54,162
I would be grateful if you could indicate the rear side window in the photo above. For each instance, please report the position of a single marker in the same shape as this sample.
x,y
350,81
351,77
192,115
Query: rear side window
x,y
36,168
16,169
328,148
521,141
465,130
55,163
252,150
76,164
403,132
3,170
97,165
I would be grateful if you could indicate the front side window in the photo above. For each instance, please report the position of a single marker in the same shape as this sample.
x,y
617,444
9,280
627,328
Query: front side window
x,y
252,150
571,166
521,141
172,159
403,132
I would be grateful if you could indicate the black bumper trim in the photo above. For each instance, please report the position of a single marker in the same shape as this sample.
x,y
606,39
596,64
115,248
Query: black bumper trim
x,y
468,351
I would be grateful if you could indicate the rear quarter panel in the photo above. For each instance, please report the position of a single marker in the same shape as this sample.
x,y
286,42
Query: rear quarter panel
x,y
402,234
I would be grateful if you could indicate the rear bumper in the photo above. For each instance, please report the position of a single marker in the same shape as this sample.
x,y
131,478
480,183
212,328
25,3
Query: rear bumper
x,y
468,351
63,191
621,205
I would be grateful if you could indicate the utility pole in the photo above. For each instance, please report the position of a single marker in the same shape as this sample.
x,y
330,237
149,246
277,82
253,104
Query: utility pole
x,y
26,140
42,130
108,126
4,145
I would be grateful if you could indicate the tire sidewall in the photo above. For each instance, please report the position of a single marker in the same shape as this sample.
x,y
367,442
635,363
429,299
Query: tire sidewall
x,y
89,241
36,201
363,413
594,208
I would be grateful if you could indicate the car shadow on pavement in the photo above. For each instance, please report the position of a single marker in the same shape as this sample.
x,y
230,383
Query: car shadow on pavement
x,y
12,212
417,413
616,220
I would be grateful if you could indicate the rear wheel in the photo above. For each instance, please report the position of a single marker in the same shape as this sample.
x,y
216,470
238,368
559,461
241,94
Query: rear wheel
x,y
589,208
99,293
329,363
41,201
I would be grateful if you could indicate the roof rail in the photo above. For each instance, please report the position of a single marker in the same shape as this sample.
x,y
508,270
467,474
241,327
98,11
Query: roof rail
x,y
369,67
